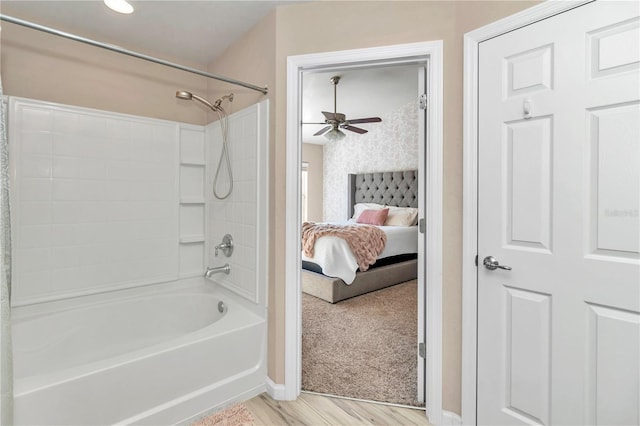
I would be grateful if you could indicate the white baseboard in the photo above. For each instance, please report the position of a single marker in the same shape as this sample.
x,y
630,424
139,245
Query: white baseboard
x,y
276,391
450,419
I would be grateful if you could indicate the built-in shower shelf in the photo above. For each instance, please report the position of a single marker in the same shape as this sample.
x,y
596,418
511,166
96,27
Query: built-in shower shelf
x,y
192,200
191,239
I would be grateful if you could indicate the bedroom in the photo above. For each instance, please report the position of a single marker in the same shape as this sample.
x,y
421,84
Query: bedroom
x,y
352,361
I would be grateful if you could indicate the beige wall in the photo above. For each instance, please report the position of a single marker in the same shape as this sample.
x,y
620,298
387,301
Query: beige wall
x,y
41,66
303,29
314,155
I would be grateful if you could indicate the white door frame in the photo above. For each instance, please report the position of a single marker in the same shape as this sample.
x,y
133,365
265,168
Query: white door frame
x,y
398,54
472,42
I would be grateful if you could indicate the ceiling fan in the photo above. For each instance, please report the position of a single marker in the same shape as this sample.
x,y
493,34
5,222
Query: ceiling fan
x,y
337,121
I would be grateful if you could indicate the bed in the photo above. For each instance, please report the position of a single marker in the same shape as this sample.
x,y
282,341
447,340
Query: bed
x,y
396,264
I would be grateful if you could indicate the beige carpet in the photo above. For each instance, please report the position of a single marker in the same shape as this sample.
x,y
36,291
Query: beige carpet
x,y
364,347
236,415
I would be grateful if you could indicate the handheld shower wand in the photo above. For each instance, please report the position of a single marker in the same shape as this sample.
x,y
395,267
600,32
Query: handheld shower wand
x,y
224,125
215,106
190,96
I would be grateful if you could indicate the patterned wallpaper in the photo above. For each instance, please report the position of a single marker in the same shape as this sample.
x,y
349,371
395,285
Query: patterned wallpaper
x,y
390,145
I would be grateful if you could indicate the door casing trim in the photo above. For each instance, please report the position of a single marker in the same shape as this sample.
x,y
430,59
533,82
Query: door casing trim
x,y
403,53
472,42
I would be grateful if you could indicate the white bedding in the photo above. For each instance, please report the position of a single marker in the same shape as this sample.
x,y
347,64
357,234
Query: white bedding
x,y
335,258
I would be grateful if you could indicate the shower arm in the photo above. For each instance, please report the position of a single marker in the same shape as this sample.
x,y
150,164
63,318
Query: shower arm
x,y
218,101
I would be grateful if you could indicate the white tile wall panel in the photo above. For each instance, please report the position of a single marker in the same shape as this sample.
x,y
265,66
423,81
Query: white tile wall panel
x,y
95,200
192,258
192,220
36,143
192,149
241,213
38,167
192,182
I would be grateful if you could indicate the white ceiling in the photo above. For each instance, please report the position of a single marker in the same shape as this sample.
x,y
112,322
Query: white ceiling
x,y
192,31
199,31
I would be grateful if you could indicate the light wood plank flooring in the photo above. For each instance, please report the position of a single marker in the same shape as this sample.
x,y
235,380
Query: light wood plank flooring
x,y
310,409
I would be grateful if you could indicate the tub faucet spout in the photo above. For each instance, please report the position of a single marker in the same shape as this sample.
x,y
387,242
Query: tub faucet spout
x,y
216,270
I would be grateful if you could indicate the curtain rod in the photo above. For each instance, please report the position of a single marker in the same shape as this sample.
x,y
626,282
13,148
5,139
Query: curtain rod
x,y
118,49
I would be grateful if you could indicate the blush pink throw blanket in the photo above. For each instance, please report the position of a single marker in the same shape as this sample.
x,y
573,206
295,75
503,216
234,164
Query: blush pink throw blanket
x,y
365,241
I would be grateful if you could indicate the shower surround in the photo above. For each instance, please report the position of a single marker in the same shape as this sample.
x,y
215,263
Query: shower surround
x,y
113,224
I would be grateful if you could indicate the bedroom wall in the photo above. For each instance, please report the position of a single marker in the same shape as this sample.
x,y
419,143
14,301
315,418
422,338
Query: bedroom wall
x,y
313,154
302,29
389,146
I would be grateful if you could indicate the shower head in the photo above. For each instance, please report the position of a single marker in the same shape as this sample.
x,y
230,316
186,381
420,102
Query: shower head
x,y
190,96
184,95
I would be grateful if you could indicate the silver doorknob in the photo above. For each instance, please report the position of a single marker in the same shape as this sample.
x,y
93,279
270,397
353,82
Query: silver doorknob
x,y
491,263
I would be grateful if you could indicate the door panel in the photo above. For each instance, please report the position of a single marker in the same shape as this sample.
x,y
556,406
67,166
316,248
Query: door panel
x,y
528,179
558,201
527,347
615,189
529,71
614,370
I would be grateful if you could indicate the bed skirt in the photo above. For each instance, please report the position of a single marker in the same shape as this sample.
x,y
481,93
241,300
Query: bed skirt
x,y
334,289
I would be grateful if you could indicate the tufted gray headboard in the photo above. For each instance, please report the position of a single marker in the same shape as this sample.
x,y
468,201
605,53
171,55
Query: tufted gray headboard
x,y
389,188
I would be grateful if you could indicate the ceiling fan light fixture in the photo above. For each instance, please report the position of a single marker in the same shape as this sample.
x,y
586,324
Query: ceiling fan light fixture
x,y
120,6
335,120
334,135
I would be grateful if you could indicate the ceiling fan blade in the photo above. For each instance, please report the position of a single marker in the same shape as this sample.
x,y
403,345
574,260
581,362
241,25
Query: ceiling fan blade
x,y
365,120
354,129
324,122
322,131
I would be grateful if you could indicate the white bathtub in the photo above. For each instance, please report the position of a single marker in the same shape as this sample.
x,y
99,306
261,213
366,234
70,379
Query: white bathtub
x,y
161,354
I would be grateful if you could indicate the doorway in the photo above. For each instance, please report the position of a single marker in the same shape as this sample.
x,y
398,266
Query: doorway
x,y
359,333
431,150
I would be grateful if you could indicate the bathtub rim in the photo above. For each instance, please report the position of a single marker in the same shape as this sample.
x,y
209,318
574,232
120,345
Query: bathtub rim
x,y
23,312
30,384
239,316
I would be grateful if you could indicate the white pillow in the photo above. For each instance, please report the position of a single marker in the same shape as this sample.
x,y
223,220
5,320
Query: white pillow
x,y
402,216
360,207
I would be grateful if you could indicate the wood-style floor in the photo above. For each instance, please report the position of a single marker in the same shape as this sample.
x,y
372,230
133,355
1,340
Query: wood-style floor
x,y
311,409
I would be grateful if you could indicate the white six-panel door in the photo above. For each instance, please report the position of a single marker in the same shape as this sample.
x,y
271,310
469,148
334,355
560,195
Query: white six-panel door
x,y
558,202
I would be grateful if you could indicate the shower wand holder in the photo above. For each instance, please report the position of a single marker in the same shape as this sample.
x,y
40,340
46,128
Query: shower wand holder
x,y
226,246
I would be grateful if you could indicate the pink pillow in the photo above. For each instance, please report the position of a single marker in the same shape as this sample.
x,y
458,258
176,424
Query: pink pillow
x,y
373,217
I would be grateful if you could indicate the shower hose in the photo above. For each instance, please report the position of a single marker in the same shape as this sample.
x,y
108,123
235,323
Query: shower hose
x,y
224,154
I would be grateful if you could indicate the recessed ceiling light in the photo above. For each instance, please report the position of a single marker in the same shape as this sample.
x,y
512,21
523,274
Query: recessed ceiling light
x,y
120,6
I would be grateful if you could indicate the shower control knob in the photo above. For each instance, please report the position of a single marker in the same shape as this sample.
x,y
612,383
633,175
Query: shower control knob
x,y
226,246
